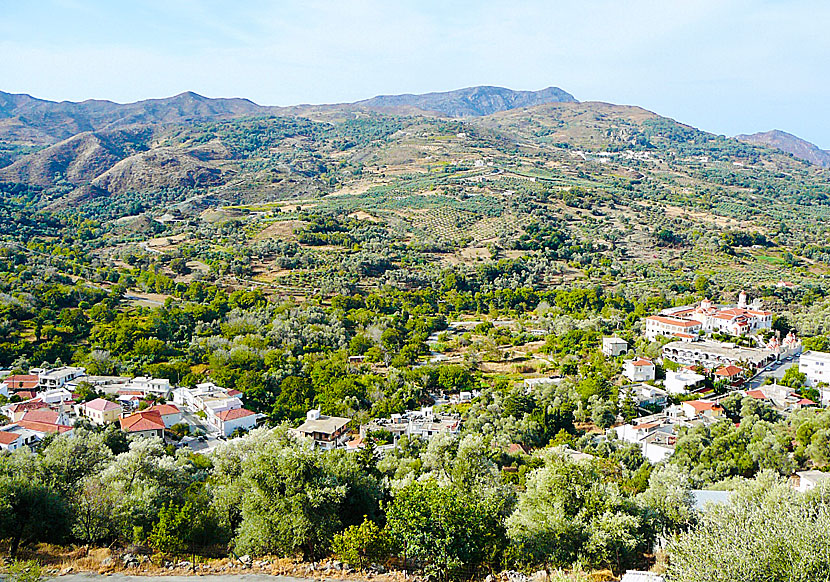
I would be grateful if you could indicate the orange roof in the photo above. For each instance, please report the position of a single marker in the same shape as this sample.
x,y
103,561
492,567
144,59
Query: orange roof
x,y
756,394
164,409
234,414
642,362
141,421
702,405
806,402
673,321
7,438
684,335
728,371
39,426
234,392
41,415
24,381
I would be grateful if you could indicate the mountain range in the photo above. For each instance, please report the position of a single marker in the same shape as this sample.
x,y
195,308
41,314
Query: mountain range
x,y
237,149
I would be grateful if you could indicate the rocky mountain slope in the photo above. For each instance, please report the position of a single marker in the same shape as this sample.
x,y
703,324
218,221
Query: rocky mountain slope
x,y
25,119
469,102
787,142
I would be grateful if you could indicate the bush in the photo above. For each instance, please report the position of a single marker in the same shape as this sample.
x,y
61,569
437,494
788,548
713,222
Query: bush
x,y
362,545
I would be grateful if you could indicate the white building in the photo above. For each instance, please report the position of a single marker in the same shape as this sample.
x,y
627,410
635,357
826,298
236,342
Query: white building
x,y
644,395
713,355
13,437
639,370
661,325
681,381
153,386
57,377
614,346
229,421
804,481
816,366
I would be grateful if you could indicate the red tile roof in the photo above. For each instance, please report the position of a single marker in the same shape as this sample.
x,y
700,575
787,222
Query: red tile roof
x,y
28,405
673,321
728,371
18,381
7,438
234,414
44,426
25,394
41,415
642,362
165,409
703,405
757,394
141,421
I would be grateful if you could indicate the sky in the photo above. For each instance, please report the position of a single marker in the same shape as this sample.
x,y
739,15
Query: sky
x,y
726,66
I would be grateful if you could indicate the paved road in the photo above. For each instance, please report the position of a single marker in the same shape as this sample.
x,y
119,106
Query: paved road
x,y
776,373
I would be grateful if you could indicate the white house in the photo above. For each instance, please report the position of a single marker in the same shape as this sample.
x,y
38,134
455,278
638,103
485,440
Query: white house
x,y
696,408
681,381
639,370
614,346
148,385
170,414
816,366
645,395
57,377
13,437
238,418
804,481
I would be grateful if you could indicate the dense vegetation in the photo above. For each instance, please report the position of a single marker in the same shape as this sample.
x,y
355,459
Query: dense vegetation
x,y
452,256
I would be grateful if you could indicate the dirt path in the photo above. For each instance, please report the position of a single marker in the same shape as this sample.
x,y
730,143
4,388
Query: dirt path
x,y
89,577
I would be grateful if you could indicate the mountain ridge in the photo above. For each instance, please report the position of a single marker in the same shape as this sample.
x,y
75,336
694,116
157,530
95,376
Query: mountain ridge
x,y
28,120
792,144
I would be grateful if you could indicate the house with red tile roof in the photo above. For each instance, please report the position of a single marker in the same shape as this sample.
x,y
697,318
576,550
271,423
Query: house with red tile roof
x,y
229,421
639,370
21,382
731,373
16,410
144,423
170,413
695,408
44,428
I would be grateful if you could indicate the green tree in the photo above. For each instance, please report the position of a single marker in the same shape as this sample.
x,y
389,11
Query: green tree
x,y
444,527
362,545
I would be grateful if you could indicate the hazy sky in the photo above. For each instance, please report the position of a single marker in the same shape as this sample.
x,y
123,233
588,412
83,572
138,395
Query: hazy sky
x,y
727,66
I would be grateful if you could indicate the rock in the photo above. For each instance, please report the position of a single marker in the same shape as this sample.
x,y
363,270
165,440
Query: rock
x,y
67,570
489,578
540,576
106,561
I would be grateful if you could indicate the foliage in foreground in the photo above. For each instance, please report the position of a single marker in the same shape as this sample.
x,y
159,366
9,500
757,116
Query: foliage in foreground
x,y
768,532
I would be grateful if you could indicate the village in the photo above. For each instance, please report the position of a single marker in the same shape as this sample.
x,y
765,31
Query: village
x,y
681,389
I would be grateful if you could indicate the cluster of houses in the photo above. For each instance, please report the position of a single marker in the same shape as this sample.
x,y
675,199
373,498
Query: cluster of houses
x,y
47,402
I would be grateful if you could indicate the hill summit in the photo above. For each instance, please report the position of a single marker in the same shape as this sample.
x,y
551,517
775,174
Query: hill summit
x,y
471,101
